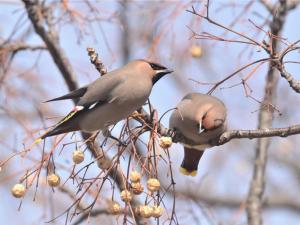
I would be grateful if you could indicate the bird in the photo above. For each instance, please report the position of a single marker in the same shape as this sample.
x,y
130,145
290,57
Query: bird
x,y
110,98
202,119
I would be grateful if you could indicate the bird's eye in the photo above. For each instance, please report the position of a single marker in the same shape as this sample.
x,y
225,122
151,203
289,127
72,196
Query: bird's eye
x,y
156,66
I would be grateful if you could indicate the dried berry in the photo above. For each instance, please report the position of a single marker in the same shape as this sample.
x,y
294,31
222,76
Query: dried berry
x,y
153,184
196,51
146,211
18,190
114,208
165,142
78,156
135,176
126,196
157,211
137,188
53,180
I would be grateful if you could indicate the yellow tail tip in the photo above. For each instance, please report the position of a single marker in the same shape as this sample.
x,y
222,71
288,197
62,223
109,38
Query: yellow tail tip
x,y
38,140
188,173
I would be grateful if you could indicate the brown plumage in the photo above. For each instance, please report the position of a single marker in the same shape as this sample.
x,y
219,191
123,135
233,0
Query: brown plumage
x,y
110,98
202,119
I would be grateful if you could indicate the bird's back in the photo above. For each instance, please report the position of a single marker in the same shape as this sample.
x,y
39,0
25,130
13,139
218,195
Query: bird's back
x,y
186,117
123,92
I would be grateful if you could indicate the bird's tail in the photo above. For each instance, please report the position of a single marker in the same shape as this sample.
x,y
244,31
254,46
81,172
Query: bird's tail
x,y
190,161
63,126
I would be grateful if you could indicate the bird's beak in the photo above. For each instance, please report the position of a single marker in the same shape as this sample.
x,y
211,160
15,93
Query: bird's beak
x,y
159,74
163,72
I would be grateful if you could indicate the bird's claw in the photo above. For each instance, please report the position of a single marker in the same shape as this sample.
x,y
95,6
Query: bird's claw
x,y
121,143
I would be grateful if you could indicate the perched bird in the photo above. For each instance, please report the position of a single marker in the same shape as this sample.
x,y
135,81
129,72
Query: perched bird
x,y
110,98
202,119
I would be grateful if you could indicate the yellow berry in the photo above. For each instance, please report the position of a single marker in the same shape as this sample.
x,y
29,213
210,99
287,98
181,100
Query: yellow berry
x,y
135,176
18,190
126,196
146,211
78,156
153,184
196,51
114,208
137,188
165,142
53,180
157,211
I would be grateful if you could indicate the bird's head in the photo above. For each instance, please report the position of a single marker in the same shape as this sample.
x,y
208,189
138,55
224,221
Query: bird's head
x,y
152,69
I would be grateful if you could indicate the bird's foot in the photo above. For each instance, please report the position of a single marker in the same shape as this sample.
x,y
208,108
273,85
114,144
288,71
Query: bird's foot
x,y
171,132
108,134
120,143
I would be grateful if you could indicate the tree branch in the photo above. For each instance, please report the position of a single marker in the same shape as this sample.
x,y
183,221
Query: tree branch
x,y
294,83
257,185
51,40
274,201
92,213
225,137
20,46
260,133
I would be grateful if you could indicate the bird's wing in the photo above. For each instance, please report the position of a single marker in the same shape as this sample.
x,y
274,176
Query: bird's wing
x,y
72,95
192,96
96,94
101,90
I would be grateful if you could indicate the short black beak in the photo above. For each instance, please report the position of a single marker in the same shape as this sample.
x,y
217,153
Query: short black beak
x,y
160,73
166,71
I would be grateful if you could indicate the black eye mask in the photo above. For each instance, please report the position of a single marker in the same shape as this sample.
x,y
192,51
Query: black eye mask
x,y
156,66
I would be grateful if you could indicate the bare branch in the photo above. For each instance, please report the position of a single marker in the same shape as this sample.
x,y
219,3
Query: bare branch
x,y
226,136
257,185
96,61
294,83
93,213
261,133
276,201
20,46
50,38
239,34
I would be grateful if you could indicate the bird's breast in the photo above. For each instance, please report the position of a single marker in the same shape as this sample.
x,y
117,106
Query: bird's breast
x,y
133,92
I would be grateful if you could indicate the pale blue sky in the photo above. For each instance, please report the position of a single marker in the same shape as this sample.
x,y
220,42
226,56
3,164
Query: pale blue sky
x,y
218,61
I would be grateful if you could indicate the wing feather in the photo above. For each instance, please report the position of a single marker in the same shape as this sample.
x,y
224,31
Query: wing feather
x,y
72,95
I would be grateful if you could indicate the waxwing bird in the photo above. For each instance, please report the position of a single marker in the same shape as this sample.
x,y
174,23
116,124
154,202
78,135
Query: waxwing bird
x,y
202,119
110,98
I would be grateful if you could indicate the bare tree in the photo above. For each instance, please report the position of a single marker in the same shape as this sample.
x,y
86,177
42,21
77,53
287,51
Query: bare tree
x,y
137,167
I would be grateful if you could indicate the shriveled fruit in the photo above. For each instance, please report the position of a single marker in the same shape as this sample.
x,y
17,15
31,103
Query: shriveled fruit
x,y
18,190
135,176
137,188
157,211
78,156
126,196
53,180
153,184
165,142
